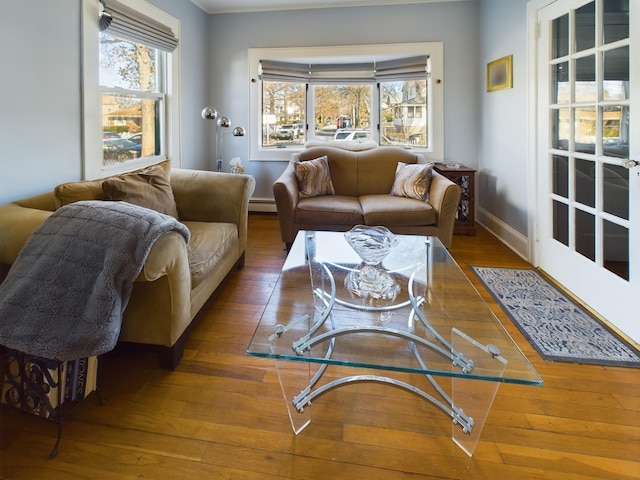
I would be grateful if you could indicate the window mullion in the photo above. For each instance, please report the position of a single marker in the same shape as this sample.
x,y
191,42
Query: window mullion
x,y
133,93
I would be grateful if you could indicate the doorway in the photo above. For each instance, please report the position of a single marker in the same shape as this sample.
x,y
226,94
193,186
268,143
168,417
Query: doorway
x,y
587,154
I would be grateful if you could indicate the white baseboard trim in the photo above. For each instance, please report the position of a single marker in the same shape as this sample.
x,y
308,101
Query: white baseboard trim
x,y
262,205
513,239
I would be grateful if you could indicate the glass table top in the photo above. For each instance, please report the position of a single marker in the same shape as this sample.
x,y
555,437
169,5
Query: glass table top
x,y
414,311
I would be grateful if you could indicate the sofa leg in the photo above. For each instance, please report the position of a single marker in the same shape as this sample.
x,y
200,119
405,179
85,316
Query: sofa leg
x,y
287,246
240,264
169,357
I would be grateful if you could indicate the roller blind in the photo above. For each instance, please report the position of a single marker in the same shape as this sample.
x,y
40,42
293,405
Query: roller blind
x,y
132,25
402,68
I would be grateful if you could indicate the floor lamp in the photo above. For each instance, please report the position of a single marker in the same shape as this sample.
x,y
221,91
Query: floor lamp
x,y
222,123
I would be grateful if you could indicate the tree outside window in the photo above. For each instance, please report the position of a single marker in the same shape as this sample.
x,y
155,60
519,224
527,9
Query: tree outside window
x,y
131,100
339,109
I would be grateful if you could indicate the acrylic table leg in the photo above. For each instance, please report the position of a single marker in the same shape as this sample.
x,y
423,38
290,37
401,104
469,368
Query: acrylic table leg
x,y
475,397
295,378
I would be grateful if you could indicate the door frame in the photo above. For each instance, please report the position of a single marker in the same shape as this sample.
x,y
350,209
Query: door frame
x,y
533,32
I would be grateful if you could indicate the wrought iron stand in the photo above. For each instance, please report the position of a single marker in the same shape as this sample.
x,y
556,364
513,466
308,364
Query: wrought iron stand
x,y
36,386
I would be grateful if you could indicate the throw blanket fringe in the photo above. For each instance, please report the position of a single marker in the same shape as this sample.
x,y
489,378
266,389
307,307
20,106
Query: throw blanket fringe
x,y
64,296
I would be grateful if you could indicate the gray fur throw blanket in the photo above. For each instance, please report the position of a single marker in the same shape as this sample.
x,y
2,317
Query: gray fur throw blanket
x,y
64,296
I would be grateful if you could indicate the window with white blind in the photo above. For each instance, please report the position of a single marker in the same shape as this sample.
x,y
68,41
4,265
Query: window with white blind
x,y
390,94
130,86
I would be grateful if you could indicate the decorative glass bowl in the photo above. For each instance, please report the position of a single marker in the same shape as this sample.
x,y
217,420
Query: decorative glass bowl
x,y
372,283
372,244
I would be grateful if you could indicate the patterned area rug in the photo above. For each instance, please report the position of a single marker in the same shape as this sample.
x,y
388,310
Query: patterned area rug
x,y
557,327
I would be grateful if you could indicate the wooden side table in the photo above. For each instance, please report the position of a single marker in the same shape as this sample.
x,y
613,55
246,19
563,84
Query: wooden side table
x,y
465,177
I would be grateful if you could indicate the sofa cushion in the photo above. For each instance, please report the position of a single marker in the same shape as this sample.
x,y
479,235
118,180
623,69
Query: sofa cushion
x,y
210,242
148,188
393,211
329,210
314,178
70,192
412,181
376,175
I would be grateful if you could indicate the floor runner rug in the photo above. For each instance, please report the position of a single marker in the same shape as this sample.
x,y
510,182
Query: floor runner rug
x,y
557,327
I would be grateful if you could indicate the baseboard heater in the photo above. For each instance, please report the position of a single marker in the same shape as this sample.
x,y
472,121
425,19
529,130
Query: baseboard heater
x,y
262,205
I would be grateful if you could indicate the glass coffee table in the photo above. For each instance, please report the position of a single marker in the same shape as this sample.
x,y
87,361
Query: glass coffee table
x,y
400,306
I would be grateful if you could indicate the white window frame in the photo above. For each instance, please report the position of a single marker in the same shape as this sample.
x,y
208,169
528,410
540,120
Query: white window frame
x,y
92,99
352,54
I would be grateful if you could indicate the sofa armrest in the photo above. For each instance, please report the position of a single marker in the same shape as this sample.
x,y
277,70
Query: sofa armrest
x,y
285,194
444,197
17,223
168,256
204,196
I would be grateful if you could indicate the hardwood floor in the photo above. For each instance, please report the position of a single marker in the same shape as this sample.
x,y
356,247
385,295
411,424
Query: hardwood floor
x,y
220,414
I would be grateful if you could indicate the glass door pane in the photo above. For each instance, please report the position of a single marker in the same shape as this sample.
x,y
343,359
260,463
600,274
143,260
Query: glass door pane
x,y
588,154
590,116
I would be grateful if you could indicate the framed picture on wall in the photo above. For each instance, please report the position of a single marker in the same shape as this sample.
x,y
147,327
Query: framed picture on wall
x,y
500,74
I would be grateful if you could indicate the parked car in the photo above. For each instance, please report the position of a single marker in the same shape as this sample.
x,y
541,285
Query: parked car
x,y
120,149
287,132
135,138
344,134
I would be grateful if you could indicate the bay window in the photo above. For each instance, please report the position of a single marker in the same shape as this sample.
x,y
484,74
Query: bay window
x,y
383,93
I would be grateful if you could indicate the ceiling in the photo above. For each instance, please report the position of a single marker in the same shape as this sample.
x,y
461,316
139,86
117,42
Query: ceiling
x,y
235,6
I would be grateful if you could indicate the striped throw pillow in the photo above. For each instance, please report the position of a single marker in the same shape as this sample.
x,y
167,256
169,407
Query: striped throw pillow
x,y
412,181
314,178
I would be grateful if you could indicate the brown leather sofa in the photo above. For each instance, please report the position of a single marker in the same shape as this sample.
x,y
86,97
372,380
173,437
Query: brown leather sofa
x,y
363,181
177,279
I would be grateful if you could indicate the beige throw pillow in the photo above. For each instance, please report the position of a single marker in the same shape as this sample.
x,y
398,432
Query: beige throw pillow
x,y
314,178
149,188
412,180
155,181
70,192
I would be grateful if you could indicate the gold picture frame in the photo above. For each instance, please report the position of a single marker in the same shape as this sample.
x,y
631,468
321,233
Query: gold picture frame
x,y
500,74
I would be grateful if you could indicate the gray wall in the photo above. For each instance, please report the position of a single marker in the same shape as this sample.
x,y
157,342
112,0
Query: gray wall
x,y
453,23
39,96
40,92
503,126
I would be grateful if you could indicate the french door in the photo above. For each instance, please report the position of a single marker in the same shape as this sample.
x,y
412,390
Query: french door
x,y
588,178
